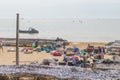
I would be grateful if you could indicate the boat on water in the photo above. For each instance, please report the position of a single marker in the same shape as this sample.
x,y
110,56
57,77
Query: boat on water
x,y
29,31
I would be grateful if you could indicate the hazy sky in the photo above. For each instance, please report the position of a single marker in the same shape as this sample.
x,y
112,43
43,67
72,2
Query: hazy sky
x,y
60,8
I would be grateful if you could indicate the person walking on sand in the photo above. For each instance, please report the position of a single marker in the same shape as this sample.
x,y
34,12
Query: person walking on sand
x,y
1,47
35,44
64,45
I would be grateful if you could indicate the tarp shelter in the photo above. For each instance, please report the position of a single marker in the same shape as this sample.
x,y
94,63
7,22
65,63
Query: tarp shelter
x,y
114,47
117,45
76,49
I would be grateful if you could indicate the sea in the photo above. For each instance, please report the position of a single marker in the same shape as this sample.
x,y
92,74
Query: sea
x,y
73,29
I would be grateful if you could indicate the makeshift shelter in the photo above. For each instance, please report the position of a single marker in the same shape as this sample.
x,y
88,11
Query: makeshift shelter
x,y
76,49
114,47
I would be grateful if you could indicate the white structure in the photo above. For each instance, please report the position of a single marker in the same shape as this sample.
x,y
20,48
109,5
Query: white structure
x,y
114,47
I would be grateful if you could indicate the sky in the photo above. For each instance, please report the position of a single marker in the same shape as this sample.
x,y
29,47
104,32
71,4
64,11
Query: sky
x,y
60,8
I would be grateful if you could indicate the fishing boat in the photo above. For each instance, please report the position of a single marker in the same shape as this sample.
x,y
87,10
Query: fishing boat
x,y
29,31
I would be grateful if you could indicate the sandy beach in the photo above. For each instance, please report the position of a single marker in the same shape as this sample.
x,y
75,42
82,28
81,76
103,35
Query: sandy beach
x,y
8,58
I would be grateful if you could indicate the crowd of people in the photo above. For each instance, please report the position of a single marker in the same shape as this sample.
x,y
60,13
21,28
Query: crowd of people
x,y
86,57
75,57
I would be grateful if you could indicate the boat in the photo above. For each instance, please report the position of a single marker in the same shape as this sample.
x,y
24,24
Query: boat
x,y
29,31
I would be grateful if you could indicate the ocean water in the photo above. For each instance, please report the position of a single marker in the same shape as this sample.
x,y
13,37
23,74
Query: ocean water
x,y
76,30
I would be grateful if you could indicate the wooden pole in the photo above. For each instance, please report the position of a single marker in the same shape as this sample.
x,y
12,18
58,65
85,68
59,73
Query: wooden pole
x,y
17,40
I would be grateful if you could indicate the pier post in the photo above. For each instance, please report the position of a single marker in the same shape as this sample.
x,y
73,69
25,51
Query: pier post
x,y
17,39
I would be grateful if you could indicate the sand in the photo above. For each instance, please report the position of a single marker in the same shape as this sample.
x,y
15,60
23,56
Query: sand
x,y
8,58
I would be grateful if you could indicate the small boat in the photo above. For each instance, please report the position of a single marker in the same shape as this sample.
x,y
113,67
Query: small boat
x,y
29,31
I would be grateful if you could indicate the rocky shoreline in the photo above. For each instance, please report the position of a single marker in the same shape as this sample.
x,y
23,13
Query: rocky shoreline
x,y
59,72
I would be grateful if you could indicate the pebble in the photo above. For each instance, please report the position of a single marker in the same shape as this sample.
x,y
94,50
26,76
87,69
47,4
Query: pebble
x,y
61,72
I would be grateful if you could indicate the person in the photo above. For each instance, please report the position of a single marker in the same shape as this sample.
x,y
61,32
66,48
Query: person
x,y
74,59
102,52
65,57
88,50
64,45
93,64
119,52
99,49
85,57
1,47
35,44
